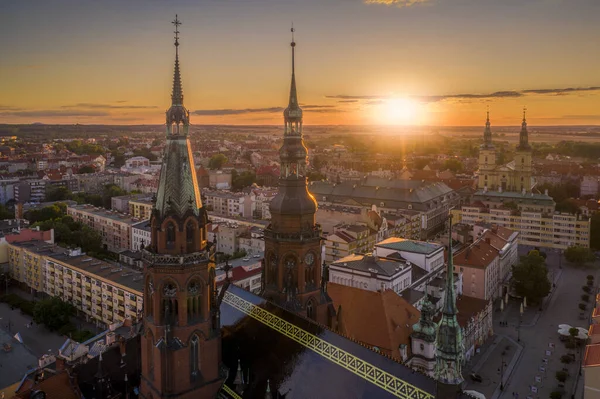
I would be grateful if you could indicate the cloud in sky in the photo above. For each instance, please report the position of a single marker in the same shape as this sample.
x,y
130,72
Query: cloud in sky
x,y
109,106
311,108
468,96
44,113
397,3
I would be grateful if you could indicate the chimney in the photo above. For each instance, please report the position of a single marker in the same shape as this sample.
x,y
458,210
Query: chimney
x,y
60,363
487,240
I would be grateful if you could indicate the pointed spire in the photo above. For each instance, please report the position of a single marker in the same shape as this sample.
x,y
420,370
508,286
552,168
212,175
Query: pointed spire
x,y
487,134
450,300
524,135
238,381
293,111
177,95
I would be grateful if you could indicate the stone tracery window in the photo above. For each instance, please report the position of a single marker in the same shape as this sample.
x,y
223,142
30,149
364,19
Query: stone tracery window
x,y
190,232
194,357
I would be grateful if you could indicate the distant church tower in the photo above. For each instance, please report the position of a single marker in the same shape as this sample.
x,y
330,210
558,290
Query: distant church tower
x,y
449,342
292,273
181,342
487,158
523,159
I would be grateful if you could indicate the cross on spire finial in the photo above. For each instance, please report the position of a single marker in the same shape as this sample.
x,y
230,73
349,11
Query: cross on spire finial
x,y
176,23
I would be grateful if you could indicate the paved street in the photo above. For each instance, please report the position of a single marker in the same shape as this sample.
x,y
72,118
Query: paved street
x,y
37,338
539,362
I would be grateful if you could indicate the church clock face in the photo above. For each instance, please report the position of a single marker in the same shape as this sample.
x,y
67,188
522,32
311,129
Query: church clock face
x,y
309,259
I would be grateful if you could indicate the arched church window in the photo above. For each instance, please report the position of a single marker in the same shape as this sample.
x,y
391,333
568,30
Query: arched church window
x,y
522,160
194,357
272,277
190,231
149,302
170,235
194,310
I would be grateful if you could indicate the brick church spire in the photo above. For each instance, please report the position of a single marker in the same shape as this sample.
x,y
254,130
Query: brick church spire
x,y
292,273
181,343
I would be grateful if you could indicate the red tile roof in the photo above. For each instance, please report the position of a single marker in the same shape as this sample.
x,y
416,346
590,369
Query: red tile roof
x,y
478,254
28,235
381,319
56,387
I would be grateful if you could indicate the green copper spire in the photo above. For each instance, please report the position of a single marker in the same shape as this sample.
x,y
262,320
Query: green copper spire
x,y
293,112
449,343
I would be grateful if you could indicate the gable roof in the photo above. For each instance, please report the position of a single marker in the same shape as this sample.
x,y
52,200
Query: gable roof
x,y
381,319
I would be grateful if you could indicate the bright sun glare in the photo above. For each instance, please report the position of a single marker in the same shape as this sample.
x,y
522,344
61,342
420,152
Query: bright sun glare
x,y
399,111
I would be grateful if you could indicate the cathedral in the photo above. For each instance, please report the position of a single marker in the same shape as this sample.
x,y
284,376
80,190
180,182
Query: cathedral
x,y
515,176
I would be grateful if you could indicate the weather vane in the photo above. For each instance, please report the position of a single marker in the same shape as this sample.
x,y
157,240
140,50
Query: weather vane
x,y
176,22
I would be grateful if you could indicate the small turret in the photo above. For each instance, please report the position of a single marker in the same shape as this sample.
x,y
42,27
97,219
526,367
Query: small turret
x,y
524,135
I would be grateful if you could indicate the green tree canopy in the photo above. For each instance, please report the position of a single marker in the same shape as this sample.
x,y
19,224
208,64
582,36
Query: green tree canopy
x,y
531,277
579,255
57,193
86,169
217,161
242,180
46,213
53,313
454,165
315,176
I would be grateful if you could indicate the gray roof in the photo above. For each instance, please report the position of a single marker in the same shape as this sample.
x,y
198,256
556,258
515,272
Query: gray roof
x,y
403,244
512,196
401,191
16,362
145,225
115,273
412,296
369,263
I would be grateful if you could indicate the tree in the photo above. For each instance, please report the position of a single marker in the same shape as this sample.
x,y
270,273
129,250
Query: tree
x,y
556,395
5,213
455,165
46,213
217,161
579,255
111,190
531,277
561,376
57,193
53,313
582,306
566,359
86,169
242,180
585,297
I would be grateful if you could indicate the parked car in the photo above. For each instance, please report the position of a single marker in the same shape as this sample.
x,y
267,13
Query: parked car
x,y
476,377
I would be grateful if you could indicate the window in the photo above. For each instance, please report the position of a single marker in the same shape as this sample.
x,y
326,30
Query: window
x,y
422,347
189,235
310,312
170,236
194,357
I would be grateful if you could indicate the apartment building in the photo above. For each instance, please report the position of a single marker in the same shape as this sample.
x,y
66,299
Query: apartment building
x,y
103,292
227,203
506,242
121,203
540,229
347,240
480,265
114,227
141,208
140,235
30,191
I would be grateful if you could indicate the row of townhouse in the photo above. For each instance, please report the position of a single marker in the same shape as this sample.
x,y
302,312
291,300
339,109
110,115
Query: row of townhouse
x,y
105,293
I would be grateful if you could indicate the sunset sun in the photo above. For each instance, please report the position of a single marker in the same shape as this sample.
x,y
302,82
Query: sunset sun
x,y
399,111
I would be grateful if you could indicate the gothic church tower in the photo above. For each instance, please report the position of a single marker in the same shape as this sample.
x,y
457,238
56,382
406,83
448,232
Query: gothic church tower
x,y
181,343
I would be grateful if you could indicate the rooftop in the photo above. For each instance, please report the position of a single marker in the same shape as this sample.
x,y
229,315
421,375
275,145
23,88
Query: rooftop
x,y
478,254
110,272
381,319
406,245
514,196
113,215
16,362
369,263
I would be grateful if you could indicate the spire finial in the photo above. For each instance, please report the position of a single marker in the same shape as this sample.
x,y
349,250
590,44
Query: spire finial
x,y
488,114
293,44
524,114
176,23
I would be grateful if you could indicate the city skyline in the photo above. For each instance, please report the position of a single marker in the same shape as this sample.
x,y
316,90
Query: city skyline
x,y
359,62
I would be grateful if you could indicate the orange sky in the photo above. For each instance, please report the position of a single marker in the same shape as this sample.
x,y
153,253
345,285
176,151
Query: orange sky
x,y
430,63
